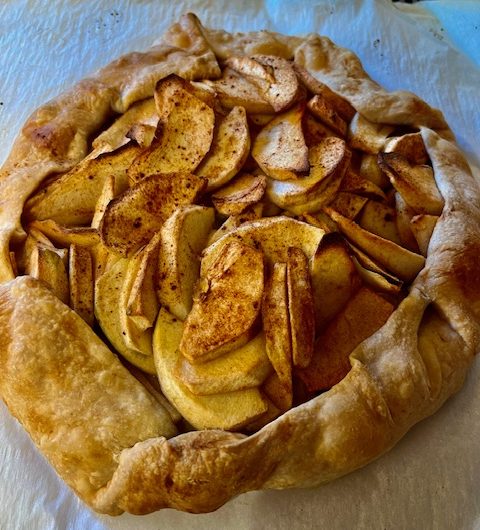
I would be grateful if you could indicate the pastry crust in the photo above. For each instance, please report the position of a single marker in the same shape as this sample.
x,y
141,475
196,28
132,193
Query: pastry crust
x,y
400,375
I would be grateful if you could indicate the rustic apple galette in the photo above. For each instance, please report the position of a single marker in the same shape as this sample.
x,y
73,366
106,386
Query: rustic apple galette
x,y
230,263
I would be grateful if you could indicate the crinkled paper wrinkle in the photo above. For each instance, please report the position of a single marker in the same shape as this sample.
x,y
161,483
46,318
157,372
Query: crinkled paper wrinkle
x,y
395,381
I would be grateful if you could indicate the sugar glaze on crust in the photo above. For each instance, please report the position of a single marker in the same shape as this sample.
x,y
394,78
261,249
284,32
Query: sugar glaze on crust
x,y
400,375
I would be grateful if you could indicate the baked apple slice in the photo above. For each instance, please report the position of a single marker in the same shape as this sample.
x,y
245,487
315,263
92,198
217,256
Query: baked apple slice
x,y
229,410
235,90
224,314
410,146
244,191
273,76
138,300
276,325
71,199
229,149
328,162
47,264
272,235
183,237
185,132
367,136
126,128
280,149
400,261
415,183
301,308
80,276
131,219
245,367
364,314
142,304
334,278
108,289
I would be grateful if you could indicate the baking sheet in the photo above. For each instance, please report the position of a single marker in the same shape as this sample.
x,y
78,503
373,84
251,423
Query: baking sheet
x,y
432,478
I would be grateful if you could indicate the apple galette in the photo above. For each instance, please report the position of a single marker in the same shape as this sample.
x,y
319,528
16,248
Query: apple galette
x,y
232,262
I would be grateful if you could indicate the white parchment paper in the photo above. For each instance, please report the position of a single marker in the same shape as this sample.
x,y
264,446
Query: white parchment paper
x,y
431,480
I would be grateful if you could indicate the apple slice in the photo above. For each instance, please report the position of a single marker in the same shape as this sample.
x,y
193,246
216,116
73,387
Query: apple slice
x,y
47,265
245,367
234,90
103,259
365,313
320,220
274,77
403,218
314,131
368,263
422,228
242,192
379,218
416,184
334,278
108,290
184,236
410,146
143,134
229,150
328,160
234,221
81,282
71,199
280,149
301,307
367,136
278,393
322,109
378,281
64,237
272,235
224,314
400,261
276,325
34,237
370,170
142,304
340,104
107,194
136,337
260,120
139,298
229,410
122,131
132,218
205,93
314,205
40,237
354,183
348,204
186,125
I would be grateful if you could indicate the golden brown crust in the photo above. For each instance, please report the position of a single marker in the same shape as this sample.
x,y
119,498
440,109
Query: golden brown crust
x,y
400,375
80,405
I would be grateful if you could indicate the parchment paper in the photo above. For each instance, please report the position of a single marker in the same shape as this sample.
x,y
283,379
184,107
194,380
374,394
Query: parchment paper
x,y
432,478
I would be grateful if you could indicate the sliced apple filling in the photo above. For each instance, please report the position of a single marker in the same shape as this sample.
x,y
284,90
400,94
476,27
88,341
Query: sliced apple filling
x,y
237,238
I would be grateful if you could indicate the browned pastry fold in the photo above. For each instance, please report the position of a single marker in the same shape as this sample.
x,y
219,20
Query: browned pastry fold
x,y
400,375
